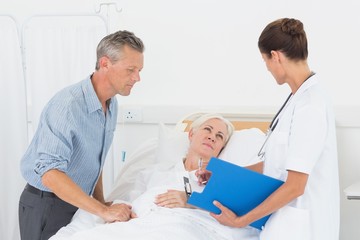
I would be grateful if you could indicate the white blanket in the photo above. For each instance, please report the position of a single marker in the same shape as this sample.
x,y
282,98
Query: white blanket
x,y
149,174
155,222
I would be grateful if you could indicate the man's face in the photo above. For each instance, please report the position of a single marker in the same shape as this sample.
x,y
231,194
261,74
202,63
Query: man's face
x,y
124,73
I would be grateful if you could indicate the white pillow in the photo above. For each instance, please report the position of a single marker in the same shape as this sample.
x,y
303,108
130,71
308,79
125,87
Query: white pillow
x,y
143,157
243,147
173,145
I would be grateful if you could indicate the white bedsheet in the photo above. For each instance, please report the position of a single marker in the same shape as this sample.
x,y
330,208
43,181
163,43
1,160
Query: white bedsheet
x,y
162,224
147,176
155,222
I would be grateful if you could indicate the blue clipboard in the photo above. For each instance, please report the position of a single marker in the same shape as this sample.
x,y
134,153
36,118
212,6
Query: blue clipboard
x,y
237,188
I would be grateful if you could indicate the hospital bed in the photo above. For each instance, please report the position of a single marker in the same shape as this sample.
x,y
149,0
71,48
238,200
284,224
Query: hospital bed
x,y
159,153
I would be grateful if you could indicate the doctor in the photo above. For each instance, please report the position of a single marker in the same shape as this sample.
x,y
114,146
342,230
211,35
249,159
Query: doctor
x,y
300,148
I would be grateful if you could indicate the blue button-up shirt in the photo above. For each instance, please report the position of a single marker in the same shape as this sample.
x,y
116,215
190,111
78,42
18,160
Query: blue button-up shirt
x,y
73,136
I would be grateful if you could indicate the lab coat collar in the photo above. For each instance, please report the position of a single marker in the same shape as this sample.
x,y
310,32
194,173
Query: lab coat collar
x,y
306,85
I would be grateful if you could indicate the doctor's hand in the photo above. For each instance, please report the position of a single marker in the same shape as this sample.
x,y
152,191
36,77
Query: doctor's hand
x,y
172,199
228,217
203,176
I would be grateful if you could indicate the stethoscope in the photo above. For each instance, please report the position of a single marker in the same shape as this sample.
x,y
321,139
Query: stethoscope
x,y
274,122
271,128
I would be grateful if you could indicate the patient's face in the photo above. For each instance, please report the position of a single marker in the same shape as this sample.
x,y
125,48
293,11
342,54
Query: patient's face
x,y
208,140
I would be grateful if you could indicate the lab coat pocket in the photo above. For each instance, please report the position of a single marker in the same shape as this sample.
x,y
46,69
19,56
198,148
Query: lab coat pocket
x,y
277,149
287,223
282,138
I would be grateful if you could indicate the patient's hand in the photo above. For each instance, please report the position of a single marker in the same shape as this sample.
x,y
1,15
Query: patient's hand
x,y
203,176
172,199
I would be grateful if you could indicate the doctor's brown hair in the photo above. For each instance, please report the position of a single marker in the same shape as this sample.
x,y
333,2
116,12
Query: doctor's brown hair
x,y
286,35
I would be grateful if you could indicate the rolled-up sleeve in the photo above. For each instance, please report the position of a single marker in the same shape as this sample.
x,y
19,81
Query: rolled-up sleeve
x,y
73,136
55,141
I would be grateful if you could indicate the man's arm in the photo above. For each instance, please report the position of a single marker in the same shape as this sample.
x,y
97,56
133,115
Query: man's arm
x,y
98,191
70,192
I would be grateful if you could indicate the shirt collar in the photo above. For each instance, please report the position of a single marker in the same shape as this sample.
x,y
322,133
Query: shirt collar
x,y
92,101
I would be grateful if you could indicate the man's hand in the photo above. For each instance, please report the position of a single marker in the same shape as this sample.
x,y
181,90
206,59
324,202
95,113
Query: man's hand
x,y
119,212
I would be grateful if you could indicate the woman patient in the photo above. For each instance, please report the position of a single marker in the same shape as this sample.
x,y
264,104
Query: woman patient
x,y
162,210
208,135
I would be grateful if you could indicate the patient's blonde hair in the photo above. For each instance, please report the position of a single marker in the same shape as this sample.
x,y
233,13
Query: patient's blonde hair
x,y
202,119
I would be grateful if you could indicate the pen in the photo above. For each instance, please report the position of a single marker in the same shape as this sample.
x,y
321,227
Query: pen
x,y
200,164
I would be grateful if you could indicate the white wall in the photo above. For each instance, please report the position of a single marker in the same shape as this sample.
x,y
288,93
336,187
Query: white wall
x,y
205,47
204,53
349,167
202,48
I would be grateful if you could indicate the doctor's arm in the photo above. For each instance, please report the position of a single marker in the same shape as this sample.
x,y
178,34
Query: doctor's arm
x,y
257,167
204,175
291,189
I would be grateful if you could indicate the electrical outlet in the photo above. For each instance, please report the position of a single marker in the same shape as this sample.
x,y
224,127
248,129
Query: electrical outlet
x,y
132,115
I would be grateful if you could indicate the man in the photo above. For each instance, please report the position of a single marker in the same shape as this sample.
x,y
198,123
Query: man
x,y
63,164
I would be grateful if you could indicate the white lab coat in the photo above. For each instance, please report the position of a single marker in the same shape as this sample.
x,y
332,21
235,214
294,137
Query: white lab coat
x,y
304,140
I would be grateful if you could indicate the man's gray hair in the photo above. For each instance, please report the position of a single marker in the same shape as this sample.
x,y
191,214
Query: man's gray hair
x,y
112,46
